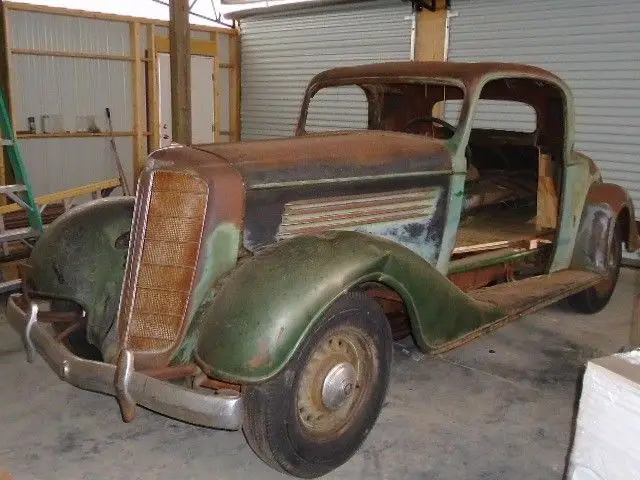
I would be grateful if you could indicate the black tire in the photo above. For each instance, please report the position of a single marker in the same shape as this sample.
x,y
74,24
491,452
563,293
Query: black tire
x,y
287,422
595,298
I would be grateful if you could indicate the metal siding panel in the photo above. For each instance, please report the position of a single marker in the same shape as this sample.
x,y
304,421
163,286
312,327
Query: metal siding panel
x,y
71,87
42,31
280,54
594,45
61,163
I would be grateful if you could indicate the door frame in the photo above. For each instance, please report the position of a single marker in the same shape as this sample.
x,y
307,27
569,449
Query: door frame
x,y
199,47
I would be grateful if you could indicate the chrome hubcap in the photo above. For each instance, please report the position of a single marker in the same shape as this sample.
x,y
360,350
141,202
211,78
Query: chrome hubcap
x,y
338,385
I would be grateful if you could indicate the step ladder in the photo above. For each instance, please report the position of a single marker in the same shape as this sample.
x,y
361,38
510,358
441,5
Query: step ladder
x,y
20,192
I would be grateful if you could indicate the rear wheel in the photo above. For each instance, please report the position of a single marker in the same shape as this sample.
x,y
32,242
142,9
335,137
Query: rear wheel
x,y
595,298
314,415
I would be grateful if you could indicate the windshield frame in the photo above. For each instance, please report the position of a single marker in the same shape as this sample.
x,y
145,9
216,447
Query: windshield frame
x,y
361,82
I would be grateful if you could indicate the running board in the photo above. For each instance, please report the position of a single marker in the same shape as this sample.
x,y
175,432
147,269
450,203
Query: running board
x,y
523,297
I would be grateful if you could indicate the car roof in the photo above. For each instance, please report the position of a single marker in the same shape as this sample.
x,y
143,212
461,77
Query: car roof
x,y
464,71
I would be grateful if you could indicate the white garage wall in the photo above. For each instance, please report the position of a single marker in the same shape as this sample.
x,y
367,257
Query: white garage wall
x,y
281,52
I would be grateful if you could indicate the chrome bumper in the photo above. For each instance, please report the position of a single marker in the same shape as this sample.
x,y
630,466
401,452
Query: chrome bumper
x,y
201,407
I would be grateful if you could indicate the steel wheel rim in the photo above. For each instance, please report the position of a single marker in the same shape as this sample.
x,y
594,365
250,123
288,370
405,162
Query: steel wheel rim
x,y
335,383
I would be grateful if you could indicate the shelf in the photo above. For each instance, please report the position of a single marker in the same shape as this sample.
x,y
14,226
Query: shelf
x,y
26,136
85,55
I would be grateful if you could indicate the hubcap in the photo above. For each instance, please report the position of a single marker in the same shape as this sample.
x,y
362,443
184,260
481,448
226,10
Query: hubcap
x,y
335,383
338,385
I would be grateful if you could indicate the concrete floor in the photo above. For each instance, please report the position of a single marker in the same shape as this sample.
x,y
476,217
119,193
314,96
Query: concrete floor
x,y
501,407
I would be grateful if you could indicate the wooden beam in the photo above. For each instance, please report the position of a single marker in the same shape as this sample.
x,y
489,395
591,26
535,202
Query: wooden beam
x,y
234,88
68,12
27,136
206,48
88,55
139,154
152,89
216,91
430,41
180,61
430,35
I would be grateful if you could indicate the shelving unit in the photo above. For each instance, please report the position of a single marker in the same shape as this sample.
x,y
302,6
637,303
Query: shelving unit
x,y
75,135
113,45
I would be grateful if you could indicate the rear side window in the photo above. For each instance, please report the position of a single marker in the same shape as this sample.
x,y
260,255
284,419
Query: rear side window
x,y
495,114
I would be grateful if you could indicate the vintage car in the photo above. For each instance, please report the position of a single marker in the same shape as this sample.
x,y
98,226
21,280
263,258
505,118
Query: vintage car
x,y
261,284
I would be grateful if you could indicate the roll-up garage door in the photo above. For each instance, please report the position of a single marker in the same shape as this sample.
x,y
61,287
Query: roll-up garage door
x,y
281,52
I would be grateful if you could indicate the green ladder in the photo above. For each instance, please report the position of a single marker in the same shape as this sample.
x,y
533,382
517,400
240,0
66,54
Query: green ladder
x,y
20,192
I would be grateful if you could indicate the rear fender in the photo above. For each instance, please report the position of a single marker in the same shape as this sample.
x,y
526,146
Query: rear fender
x,y
81,257
621,207
605,205
264,310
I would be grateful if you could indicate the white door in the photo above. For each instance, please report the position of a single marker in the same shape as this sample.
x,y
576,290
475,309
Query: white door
x,y
202,98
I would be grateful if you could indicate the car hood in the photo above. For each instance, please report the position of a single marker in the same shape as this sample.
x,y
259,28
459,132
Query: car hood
x,y
312,158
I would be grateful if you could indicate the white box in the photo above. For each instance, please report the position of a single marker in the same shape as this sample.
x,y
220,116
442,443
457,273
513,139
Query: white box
x,y
607,437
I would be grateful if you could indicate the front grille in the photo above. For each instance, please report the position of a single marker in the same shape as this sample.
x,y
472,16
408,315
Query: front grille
x,y
163,256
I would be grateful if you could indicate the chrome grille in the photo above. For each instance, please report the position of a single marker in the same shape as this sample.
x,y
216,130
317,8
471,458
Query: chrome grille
x,y
163,256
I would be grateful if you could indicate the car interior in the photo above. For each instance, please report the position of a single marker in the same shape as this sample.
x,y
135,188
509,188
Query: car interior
x,y
514,155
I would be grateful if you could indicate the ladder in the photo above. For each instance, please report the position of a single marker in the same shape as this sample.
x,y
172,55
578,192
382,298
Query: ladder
x,y
20,192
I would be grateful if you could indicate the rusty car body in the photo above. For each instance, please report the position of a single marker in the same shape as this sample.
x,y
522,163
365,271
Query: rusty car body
x,y
259,284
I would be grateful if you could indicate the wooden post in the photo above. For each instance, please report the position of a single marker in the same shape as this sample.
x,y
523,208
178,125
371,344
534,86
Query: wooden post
x,y
216,89
139,153
430,40
234,87
180,60
6,173
152,89
430,33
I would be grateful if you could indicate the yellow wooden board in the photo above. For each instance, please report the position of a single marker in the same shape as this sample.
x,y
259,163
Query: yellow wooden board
x,y
70,193
206,48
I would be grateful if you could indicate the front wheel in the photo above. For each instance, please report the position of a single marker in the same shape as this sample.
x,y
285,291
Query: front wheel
x,y
314,415
595,298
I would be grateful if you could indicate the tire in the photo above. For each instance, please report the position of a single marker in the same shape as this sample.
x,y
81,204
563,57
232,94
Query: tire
x,y
314,415
595,298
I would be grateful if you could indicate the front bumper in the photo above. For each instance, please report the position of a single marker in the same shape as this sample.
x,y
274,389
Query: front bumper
x,y
222,409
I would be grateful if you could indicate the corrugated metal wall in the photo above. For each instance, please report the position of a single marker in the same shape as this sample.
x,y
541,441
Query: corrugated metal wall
x,y
71,87
281,52
594,45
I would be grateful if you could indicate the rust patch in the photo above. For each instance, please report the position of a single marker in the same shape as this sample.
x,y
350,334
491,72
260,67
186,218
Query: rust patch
x,y
471,280
262,356
219,385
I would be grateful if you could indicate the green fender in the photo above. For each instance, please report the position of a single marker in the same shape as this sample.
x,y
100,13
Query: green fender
x,y
264,309
81,257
